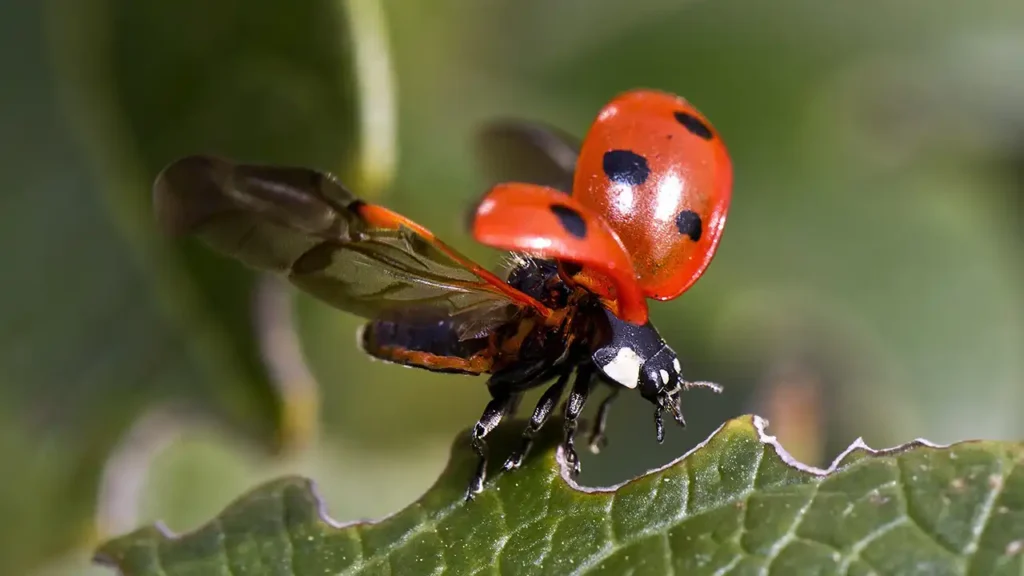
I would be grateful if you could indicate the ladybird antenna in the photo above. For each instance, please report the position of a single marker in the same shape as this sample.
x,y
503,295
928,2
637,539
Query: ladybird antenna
x,y
716,388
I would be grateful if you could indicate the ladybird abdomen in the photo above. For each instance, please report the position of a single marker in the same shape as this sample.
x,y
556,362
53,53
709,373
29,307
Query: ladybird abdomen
x,y
433,346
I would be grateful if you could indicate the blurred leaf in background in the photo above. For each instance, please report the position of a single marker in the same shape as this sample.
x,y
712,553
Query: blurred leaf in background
x,y
109,321
870,270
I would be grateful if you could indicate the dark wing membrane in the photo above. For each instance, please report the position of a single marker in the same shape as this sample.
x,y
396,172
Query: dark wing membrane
x,y
305,225
396,275
531,152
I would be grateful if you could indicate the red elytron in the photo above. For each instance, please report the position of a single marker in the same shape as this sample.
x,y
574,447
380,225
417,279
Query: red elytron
x,y
547,223
636,213
657,171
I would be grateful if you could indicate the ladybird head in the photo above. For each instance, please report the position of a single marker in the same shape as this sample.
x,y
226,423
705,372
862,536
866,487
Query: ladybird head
x,y
637,357
661,375
661,382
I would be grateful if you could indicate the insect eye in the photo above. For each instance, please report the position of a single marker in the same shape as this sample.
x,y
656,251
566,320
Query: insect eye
x,y
651,382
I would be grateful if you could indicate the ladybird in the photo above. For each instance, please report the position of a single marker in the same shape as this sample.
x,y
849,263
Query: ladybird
x,y
571,302
651,165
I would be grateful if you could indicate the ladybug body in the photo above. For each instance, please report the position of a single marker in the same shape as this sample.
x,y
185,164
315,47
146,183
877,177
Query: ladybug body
x,y
448,345
649,190
638,357
527,352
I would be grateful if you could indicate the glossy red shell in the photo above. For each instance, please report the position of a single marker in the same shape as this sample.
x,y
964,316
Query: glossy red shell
x,y
546,222
660,175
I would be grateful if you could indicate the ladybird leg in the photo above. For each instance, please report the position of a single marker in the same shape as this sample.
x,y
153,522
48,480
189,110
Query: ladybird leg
x,y
513,407
667,401
598,440
659,425
573,407
503,398
541,414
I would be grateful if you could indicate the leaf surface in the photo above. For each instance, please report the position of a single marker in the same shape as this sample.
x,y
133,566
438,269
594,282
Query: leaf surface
x,y
737,504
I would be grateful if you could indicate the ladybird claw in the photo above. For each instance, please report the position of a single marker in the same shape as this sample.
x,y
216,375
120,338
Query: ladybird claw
x,y
572,460
678,417
514,461
476,486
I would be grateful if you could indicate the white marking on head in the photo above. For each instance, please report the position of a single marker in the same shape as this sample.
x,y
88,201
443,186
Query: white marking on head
x,y
676,365
359,338
624,368
664,376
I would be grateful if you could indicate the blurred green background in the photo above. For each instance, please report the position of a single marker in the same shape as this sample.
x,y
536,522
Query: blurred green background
x,y
869,282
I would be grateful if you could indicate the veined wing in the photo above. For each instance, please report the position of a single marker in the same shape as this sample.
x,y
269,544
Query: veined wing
x,y
531,152
358,257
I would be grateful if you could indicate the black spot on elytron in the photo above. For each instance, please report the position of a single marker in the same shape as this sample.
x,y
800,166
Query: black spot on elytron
x,y
570,219
625,167
694,125
689,224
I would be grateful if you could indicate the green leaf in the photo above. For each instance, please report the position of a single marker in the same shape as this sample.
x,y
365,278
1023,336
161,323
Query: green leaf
x,y
737,504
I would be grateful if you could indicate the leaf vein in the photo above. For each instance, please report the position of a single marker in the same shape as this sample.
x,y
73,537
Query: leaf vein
x,y
757,468
790,535
654,530
358,532
427,524
690,481
746,508
670,568
905,494
554,527
159,557
854,552
655,493
222,546
289,538
984,515
613,536
507,531
726,568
